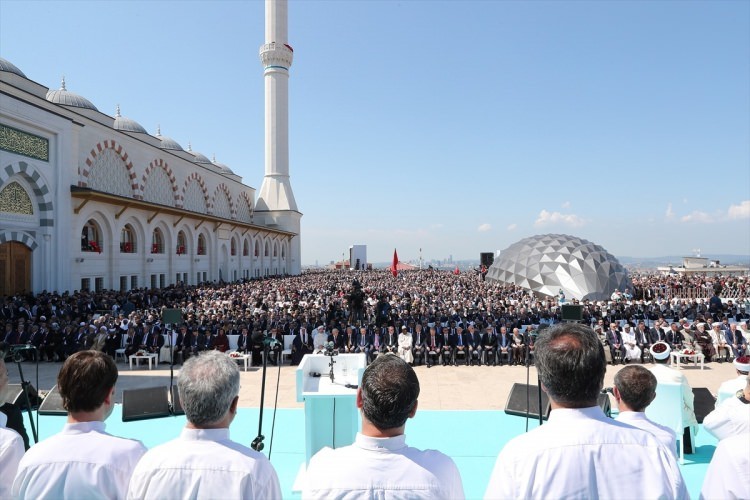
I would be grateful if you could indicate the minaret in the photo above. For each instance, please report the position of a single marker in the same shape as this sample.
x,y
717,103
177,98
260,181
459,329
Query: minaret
x,y
275,201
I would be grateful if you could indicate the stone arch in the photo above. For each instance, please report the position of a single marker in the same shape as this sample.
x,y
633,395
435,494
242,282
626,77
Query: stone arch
x,y
19,236
195,176
143,242
244,208
41,192
222,188
96,151
160,163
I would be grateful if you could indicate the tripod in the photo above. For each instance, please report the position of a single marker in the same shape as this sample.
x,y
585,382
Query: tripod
x,y
25,384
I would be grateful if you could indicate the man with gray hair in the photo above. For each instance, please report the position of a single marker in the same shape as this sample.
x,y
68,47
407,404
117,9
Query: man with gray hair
x,y
203,462
576,453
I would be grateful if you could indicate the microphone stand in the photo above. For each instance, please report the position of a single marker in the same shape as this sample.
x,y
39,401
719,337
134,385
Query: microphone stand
x,y
25,388
257,443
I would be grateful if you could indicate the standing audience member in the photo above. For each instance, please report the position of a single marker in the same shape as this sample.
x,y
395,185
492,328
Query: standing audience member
x,y
82,461
732,416
728,474
666,375
571,456
11,443
203,462
635,388
379,464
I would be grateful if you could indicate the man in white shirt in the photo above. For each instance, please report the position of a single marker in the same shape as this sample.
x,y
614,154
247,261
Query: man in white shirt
x,y
660,351
728,474
729,388
11,443
732,416
579,452
379,464
82,461
203,462
634,389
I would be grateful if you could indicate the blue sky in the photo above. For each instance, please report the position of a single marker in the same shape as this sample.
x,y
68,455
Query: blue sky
x,y
456,127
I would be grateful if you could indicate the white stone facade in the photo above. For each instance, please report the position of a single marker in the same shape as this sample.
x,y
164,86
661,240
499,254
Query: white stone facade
x,y
154,215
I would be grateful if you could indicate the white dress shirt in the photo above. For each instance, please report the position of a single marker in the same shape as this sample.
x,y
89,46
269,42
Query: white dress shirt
x,y
728,419
728,474
665,374
204,463
664,434
11,451
381,468
580,453
82,461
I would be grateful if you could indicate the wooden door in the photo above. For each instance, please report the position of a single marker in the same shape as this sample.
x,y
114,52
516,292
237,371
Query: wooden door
x,y
15,268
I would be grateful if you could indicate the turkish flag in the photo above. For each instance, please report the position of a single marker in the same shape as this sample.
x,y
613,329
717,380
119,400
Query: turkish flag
x,y
394,266
456,271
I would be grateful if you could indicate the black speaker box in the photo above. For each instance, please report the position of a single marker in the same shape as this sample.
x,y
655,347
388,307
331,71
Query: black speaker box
x,y
52,404
140,404
516,404
171,316
486,258
13,394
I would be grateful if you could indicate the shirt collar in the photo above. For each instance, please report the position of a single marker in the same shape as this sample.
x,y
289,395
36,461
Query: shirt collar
x,y
84,427
567,414
205,434
380,444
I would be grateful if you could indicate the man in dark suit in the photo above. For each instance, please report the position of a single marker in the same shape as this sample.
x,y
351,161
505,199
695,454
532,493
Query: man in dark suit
x,y
243,341
489,344
461,346
504,345
418,344
643,338
474,338
447,347
391,341
433,347
674,337
614,341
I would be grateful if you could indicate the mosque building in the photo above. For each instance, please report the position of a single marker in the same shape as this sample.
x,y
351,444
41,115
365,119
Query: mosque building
x,y
91,201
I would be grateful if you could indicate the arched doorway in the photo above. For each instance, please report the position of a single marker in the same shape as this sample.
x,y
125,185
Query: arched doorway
x,y
15,268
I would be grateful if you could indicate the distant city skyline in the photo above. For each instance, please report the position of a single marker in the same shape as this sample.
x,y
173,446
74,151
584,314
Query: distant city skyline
x,y
454,127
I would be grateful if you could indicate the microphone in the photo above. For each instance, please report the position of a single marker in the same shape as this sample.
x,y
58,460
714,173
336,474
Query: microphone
x,y
259,338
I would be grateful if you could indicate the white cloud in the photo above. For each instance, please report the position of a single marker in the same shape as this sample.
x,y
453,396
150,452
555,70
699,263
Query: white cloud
x,y
512,227
566,204
697,216
546,217
484,228
741,211
670,212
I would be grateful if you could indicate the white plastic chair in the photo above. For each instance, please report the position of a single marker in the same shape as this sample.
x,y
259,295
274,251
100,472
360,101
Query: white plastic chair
x,y
666,409
288,339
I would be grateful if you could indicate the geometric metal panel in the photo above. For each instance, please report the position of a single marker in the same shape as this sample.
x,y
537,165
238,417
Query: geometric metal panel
x,y
550,262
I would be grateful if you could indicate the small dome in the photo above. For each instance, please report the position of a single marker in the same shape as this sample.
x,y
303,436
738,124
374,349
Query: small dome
x,y
126,124
66,98
225,170
199,158
167,143
8,66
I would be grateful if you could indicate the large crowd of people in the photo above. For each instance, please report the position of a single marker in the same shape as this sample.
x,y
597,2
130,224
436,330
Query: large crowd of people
x,y
473,321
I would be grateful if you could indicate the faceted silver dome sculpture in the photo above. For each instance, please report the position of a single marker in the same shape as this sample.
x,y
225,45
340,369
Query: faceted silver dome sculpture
x,y
547,263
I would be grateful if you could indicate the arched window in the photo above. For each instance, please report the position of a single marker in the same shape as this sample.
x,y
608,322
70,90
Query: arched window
x,y
201,245
245,249
283,248
233,247
266,250
91,240
257,249
275,249
157,241
127,239
181,243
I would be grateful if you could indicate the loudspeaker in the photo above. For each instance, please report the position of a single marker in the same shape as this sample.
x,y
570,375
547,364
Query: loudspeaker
x,y
52,404
13,394
171,316
486,258
571,312
140,404
516,404
176,406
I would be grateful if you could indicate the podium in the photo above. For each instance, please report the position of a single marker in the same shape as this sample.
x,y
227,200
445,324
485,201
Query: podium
x,y
331,415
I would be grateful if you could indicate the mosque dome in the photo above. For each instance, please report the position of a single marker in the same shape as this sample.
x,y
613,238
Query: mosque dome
x,y
63,96
9,67
166,142
225,170
126,124
199,158
548,263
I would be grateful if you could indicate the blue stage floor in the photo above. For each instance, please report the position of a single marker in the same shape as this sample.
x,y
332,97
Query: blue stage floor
x,y
472,438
